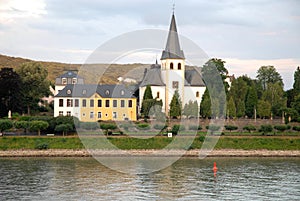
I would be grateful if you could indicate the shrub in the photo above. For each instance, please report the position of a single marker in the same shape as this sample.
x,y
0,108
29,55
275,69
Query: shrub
x,y
89,125
41,145
177,128
108,126
249,128
231,127
296,128
281,128
143,126
25,118
201,138
5,125
195,127
213,128
22,124
267,128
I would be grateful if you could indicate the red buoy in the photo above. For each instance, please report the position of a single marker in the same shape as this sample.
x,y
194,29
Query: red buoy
x,y
215,169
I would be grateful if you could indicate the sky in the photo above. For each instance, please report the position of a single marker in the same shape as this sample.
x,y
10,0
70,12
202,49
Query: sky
x,y
246,34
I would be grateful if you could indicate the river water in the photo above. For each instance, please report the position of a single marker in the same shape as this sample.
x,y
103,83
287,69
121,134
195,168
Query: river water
x,y
187,179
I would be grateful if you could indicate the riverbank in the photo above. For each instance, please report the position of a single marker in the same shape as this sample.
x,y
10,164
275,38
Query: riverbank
x,y
147,153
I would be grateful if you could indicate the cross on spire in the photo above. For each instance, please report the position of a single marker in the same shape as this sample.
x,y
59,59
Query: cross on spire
x,y
173,8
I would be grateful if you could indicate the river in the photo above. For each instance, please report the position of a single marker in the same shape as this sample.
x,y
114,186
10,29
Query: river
x,y
187,179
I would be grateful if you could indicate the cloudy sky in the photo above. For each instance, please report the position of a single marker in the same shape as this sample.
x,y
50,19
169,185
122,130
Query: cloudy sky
x,y
246,34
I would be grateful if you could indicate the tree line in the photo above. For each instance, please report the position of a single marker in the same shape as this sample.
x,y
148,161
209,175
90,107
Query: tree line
x,y
243,97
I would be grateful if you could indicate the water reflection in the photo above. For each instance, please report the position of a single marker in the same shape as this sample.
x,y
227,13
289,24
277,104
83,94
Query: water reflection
x,y
187,179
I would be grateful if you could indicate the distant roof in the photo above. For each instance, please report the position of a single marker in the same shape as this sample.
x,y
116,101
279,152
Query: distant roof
x,y
152,77
105,91
70,74
172,50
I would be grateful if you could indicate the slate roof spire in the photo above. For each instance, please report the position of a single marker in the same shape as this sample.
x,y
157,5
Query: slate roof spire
x,y
172,50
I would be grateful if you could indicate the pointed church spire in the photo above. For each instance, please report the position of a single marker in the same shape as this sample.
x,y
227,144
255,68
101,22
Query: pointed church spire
x,y
172,50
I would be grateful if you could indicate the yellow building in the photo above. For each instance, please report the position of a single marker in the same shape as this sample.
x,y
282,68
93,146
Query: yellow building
x,y
97,102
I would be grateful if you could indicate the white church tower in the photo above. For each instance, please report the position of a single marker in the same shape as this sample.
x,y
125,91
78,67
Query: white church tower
x,y
173,66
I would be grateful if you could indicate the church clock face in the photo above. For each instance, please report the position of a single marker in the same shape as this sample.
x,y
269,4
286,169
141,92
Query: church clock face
x,y
175,85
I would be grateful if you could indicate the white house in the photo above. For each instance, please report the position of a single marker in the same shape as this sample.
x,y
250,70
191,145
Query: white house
x,y
172,75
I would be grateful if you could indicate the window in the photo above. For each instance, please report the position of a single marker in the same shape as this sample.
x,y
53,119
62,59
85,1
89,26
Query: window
x,y
99,103
115,103
157,94
83,114
84,103
129,103
69,91
171,66
197,94
64,80
76,102
68,113
175,84
61,113
99,115
84,91
114,115
61,102
69,103
91,103
122,103
74,80
107,92
107,103
179,66
91,115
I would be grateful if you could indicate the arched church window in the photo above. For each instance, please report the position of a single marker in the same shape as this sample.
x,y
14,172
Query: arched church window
x,y
197,94
157,94
179,66
171,66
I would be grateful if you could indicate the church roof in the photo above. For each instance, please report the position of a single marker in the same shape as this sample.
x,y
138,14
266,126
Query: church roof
x,y
193,78
152,77
172,50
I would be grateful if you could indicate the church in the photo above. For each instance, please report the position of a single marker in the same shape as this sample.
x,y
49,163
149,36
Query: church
x,y
171,75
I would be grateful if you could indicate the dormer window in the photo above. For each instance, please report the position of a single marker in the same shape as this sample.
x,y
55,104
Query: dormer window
x,y
122,92
107,92
84,91
74,80
69,91
64,80
171,66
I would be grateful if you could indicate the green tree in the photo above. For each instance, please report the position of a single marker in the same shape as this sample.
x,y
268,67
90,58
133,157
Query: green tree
x,y
263,109
64,128
34,83
205,105
191,109
175,105
268,74
251,102
147,102
214,74
5,125
296,85
231,108
274,94
22,125
38,126
10,97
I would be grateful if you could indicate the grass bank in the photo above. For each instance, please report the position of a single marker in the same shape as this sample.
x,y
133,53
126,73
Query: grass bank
x,y
126,143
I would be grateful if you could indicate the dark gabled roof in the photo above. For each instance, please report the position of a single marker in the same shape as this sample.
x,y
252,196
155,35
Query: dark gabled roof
x,y
105,91
152,77
172,50
193,78
69,74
